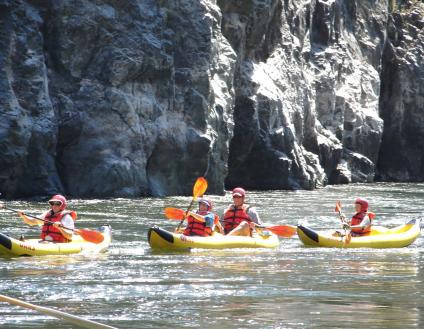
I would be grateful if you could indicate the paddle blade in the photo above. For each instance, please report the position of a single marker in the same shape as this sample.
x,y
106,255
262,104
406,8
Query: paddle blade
x,y
338,207
200,187
174,213
90,236
285,231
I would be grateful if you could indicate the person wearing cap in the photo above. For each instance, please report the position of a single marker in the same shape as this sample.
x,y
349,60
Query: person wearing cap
x,y
361,222
240,218
205,225
59,222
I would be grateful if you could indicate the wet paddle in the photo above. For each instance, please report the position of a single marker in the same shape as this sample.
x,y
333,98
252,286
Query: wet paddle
x,y
87,235
285,231
179,214
57,314
347,237
199,189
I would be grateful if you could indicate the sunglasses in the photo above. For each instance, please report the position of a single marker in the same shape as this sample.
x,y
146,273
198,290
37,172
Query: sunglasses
x,y
55,203
237,197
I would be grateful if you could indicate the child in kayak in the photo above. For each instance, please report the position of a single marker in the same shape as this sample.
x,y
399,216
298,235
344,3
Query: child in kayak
x,y
205,223
360,222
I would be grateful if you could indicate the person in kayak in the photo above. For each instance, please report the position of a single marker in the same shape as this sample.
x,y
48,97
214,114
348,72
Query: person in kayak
x,y
361,221
205,225
59,222
240,218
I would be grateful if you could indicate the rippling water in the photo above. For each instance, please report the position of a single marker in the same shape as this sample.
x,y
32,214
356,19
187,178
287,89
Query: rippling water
x,y
289,287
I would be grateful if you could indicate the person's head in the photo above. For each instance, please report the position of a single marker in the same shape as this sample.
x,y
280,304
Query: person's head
x,y
361,205
205,204
238,196
57,203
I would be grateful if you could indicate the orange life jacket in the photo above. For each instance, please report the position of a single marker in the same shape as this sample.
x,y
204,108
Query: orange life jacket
x,y
234,216
49,229
357,219
197,228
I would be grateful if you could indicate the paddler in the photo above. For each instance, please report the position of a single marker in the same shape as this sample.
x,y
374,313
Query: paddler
x,y
207,222
240,218
59,222
360,223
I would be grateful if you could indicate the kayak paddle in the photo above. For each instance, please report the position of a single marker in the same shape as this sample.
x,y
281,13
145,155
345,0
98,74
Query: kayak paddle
x,y
285,231
347,236
57,314
199,189
179,214
88,235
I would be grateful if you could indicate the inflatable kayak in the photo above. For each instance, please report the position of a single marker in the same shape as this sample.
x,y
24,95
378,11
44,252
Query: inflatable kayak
x,y
164,240
379,237
35,247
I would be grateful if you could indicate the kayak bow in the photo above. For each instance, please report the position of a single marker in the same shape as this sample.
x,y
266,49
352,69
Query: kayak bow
x,y
379,237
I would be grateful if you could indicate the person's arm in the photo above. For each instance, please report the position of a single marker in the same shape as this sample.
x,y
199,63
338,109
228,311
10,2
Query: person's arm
x,y
67,222
220,228
254,216
29,220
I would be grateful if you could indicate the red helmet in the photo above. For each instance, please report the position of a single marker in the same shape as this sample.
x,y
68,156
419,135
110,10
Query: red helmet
x,y
61,199
363,202
239,191
205,201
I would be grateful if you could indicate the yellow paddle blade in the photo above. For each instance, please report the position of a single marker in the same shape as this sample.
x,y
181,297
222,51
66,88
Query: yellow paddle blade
x,y
200,187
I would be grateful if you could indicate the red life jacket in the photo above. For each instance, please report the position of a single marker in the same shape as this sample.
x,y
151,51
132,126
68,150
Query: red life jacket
x,y
196,228
234,216
357,219
49,229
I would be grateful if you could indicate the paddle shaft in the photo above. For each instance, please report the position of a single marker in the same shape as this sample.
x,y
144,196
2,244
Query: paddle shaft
x,y
177,214
57,314
347,236
188,209
199,189
90,236
44,220
280,230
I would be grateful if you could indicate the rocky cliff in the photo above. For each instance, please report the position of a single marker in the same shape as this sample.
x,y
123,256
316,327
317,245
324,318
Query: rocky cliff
x,y
128,98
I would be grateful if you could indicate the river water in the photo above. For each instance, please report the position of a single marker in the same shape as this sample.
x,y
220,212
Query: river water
x,y
289,287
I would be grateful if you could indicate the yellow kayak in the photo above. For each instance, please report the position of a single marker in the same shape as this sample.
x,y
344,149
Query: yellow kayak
x,y
35,247
164,240
379,237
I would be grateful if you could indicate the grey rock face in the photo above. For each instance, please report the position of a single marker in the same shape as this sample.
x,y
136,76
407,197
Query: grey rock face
x,y
307,88
401,104
133,98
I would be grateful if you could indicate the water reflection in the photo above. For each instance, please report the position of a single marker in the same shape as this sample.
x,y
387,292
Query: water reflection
x,y
289,287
